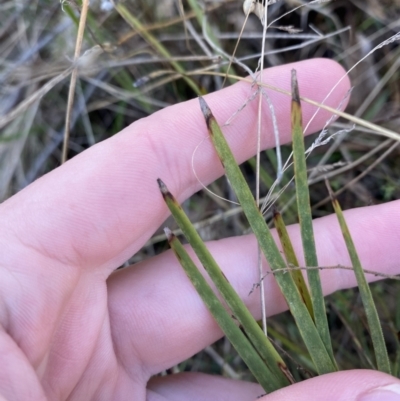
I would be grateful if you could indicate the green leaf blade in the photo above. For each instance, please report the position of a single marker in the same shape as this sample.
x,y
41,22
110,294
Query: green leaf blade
x,y
374,323
305,219
291,259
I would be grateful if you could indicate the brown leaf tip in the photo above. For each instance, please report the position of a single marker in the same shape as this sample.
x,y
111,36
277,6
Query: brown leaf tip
x,y
275,211
295,87
205,109
163,187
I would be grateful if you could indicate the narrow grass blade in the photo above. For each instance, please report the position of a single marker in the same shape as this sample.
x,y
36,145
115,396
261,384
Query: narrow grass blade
x,y
291,259
156,44
223,318
255,334
305,218
311,337
374,324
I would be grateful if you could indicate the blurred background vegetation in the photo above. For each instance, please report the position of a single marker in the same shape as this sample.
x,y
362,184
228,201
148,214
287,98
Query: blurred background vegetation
x,y
129,72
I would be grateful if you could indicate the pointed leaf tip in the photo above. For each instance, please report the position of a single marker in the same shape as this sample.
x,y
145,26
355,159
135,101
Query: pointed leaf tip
x,y
295,87
204,108
275,210
162,186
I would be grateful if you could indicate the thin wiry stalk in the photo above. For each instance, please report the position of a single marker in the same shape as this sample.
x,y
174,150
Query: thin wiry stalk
x,y
235,48
182,15
279,168
258,154
374,273
74,77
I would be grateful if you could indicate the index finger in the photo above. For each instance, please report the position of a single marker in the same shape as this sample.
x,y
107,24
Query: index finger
x,y
106,199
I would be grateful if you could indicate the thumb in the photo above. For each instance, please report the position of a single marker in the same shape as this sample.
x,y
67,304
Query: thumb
x,y
353,385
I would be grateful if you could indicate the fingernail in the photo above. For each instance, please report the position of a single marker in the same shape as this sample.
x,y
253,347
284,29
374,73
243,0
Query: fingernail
x,y
390,392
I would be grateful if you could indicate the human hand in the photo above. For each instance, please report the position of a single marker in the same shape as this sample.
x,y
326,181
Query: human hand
x,y
74,329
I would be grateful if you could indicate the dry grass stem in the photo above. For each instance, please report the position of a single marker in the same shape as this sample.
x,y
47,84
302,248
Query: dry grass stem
x,y
74,77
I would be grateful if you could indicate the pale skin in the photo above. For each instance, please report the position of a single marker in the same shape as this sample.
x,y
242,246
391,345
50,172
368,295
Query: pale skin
x,y
73,329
